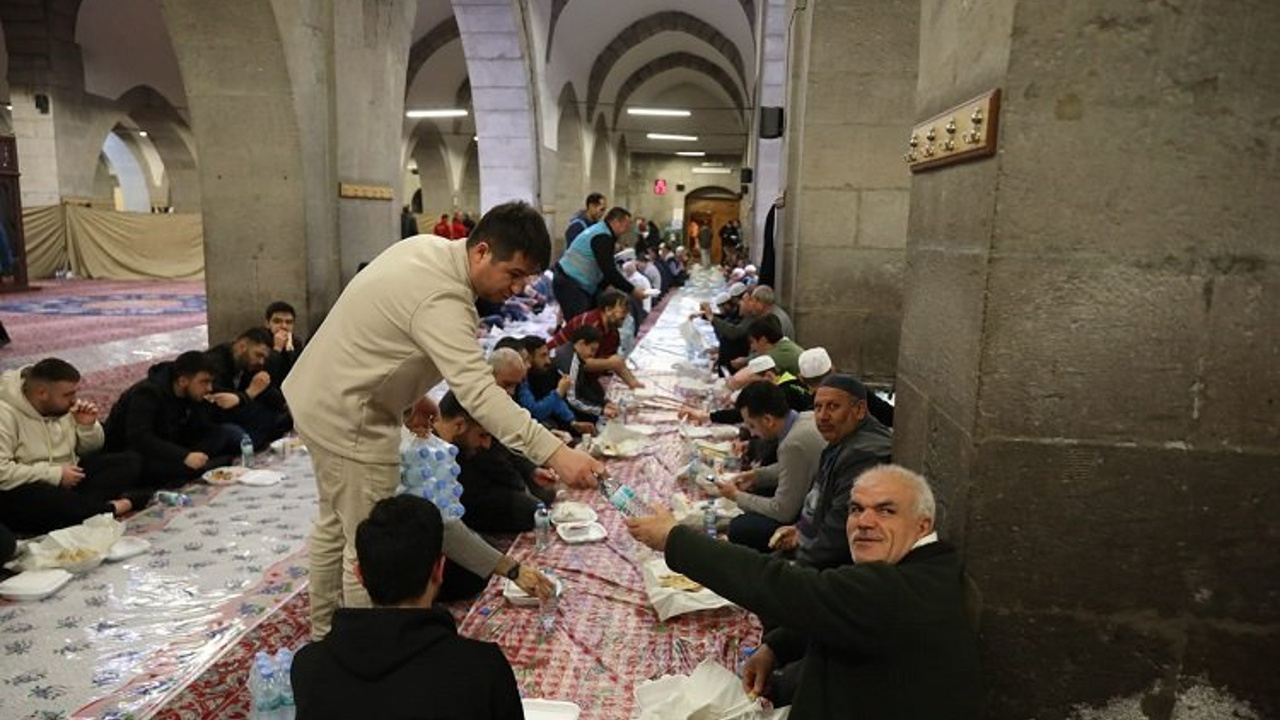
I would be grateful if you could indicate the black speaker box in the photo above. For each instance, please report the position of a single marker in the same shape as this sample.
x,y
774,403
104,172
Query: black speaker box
x,y
771,122
745,175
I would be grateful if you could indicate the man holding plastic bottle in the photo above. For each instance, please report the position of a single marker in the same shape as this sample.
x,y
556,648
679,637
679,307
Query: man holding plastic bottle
x,y
403,323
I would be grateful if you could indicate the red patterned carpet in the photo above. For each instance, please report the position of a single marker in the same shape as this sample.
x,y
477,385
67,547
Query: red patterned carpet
x,y
75,313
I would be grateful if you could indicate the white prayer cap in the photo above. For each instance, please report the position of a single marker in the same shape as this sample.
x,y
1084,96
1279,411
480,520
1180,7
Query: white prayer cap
x,y
814,362
760,363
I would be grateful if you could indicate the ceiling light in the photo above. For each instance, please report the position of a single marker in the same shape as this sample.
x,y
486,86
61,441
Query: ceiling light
x,y
713,170
8,107
691,153
664,136
658,112
142,133
444,113
712,164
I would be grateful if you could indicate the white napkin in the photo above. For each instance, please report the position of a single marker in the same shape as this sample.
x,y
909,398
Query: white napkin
x,y
711,692
96,534
669,602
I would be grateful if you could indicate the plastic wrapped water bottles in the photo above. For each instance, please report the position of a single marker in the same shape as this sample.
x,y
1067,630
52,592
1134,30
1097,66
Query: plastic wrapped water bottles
x,y
429,469
270,688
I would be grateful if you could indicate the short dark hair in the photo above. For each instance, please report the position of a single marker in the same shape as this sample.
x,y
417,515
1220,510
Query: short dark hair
x,y
763,398
611,298
191,363
52,370
533,343
397,546
768,327
279,306
594,198
616,213
257,335
451,409
586,333
514,343
514,228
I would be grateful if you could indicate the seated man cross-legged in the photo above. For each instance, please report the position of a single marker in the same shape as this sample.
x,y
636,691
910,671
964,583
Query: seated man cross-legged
x,y
52,471
402,658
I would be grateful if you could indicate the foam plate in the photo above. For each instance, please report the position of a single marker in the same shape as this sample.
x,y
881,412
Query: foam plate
x,y
535,709
34,584
572,512
127,547
261,478
577,533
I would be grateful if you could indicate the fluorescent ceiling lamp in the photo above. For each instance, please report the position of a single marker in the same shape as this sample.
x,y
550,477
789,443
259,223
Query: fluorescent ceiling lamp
x,y
712,164
445,113
658,112
713,170
142,133
8,107
665,136
691,153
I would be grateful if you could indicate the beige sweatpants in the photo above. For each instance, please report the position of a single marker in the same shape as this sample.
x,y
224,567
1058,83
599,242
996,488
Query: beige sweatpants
x,y
348,491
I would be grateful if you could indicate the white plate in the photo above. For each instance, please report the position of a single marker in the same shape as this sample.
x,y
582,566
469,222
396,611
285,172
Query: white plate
x,y
576,533
261,478
572,512
34,584
516,596
288,443
619,449
642,429
229,475
127,547
550,709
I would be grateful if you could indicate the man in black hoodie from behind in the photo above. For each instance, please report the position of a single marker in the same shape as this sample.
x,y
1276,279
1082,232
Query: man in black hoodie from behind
x,y
402,658
167,419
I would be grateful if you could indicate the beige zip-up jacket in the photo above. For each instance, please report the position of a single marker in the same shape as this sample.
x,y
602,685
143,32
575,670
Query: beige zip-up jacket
x,y
33,448
403,322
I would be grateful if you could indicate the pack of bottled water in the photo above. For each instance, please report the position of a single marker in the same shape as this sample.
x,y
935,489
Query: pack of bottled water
x,y
270,689
429,469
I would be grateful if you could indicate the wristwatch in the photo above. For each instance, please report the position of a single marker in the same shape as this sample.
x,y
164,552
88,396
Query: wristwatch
x,y
513,572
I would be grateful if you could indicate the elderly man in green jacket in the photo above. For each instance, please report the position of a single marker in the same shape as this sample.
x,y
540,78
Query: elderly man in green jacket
x,y
886,637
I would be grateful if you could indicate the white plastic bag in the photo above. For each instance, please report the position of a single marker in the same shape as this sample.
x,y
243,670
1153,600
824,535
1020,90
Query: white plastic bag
x,y
711,692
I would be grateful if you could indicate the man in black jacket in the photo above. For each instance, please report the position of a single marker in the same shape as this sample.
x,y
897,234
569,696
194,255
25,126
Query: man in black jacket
x,y
244,391
166,419
856,441
402,658
885,637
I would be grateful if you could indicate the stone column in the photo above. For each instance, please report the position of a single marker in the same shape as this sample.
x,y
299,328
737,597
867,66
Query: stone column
x,y
767,159
844,230
1089,351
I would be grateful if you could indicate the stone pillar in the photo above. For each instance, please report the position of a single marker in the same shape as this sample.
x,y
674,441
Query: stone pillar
x,y
766,158
844,229
493,40
1089,351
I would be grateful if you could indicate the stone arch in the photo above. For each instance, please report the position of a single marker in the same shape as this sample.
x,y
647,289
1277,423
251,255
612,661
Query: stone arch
x,y
131,176
167,133
669,21
601,178
494,45
434,176
678,61
558,7
570,162
445,32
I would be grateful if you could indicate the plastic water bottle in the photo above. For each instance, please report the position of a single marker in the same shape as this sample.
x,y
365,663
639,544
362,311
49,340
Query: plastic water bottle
x,y
709,517
743,658
246,451
549,606
542,527
284,675
172,498
623,498
263,688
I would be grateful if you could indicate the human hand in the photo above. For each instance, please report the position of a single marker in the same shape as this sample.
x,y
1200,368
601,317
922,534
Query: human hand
x,y
583,427
785,538
84,412
756,671
654,529
71,476
534,583
282,340
634,383
728,488
195,460
261,381
697,416
545,477
421,417
224,400
562,387
638,293
738,363
744,480
610,410
575,467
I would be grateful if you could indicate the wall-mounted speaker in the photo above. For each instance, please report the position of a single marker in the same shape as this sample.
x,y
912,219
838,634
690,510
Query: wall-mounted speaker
x,y
42,104
745,175
770,122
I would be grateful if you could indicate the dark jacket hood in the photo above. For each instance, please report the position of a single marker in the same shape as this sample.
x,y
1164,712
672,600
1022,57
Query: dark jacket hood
x,y
372,643
162,375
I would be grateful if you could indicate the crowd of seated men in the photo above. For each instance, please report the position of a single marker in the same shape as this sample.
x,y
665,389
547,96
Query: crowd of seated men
x,y
62,462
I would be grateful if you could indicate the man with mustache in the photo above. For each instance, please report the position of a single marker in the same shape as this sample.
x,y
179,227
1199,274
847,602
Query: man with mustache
x,y
886,637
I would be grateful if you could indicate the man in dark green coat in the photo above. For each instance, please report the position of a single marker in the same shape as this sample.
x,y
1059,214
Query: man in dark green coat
x,y
886,637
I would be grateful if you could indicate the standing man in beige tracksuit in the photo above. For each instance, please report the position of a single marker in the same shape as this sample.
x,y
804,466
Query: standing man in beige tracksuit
x,y
404,322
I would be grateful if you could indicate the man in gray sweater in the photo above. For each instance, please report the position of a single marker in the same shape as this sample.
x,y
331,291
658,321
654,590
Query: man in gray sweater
x,y
772,495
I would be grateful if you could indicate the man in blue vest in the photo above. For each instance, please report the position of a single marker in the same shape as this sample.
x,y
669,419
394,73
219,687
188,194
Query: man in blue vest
x,y
587,266
589,215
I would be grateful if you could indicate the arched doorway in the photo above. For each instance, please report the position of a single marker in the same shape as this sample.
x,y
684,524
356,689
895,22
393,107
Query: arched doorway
x,y
714,206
